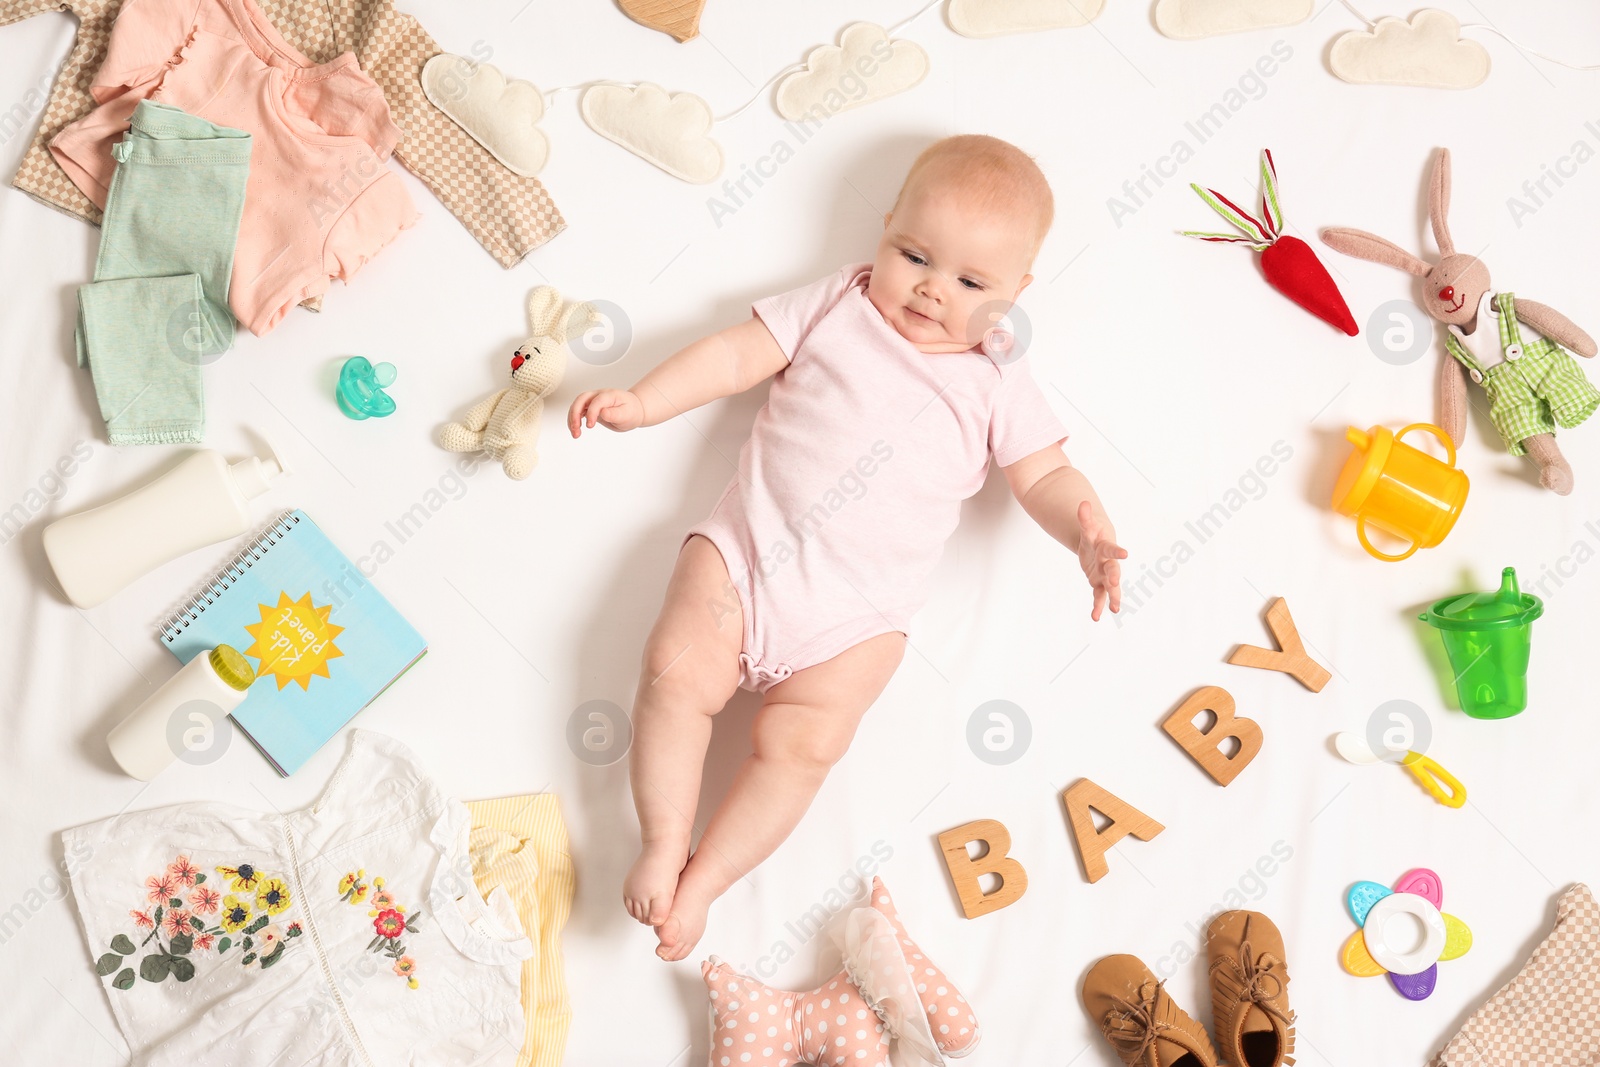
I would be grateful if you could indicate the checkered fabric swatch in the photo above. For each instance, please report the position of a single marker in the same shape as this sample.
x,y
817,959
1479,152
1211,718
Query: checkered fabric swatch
x,y
509,215
1549,1014
37,174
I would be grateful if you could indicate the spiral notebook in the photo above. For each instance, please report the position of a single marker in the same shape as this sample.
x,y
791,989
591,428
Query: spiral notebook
x,y
323,640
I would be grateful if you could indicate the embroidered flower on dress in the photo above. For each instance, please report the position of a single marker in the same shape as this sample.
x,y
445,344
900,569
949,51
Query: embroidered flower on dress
x,y
205,901
160,888
273,896
235,914
177,922
244,877
351,887
178,936
183,871
389,923
406,968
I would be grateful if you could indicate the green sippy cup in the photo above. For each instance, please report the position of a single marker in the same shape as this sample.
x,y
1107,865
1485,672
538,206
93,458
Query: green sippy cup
x,y
1486,636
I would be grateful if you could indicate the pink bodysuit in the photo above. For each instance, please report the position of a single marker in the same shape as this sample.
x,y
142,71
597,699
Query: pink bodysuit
x,y
319,203
854,474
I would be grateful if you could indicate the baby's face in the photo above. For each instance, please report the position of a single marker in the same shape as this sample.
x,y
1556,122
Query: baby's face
x,y
945,273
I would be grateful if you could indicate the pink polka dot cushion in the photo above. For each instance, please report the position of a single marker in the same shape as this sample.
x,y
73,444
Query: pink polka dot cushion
x,y
888,991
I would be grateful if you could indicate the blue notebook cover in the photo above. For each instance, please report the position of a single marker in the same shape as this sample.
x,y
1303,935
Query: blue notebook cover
x,y
323,640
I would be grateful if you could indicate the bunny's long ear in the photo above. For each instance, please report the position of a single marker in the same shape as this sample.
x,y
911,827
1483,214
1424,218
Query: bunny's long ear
x,y
1439,203
1364,245
544,309
579,318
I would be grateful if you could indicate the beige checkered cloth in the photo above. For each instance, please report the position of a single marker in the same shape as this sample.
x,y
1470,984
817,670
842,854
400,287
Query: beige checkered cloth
x,y
509,215
1549,1014
38,175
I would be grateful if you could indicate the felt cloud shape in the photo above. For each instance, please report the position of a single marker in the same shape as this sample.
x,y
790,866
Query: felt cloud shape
x,y
1187,20
994,18
864,66
671,131
501,115
888,992
1427,51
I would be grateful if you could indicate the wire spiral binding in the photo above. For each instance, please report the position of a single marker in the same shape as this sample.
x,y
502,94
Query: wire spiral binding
x,y
173,626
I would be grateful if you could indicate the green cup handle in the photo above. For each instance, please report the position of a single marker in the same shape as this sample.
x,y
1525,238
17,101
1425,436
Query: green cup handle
x,y
1361,535
1444,439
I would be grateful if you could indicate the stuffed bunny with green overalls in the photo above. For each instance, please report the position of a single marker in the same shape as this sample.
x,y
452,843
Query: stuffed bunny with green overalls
x,y
1533,383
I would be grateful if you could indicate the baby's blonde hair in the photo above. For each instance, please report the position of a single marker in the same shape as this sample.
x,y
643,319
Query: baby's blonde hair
x,y
991,174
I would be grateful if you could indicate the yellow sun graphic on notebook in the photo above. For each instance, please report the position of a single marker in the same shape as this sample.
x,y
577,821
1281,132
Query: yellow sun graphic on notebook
x,y
294,640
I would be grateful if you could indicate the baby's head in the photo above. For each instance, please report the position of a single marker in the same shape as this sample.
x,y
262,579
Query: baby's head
x,y
959,242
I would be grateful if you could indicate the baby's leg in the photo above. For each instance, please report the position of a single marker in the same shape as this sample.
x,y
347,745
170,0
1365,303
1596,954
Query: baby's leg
x,y
690,669
803,728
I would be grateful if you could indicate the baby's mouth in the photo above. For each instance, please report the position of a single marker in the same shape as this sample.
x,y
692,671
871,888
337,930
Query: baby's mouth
x,y
919,315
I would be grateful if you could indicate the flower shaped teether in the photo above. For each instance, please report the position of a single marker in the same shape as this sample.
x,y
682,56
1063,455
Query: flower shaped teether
x,y
1372,950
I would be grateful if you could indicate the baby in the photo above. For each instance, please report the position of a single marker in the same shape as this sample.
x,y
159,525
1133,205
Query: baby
x,y
891,394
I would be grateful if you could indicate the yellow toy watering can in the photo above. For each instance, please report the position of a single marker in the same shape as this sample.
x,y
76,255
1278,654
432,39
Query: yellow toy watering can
x,y
1401,490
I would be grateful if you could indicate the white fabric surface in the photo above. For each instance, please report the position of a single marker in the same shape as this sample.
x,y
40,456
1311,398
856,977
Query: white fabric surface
x,y
1172,363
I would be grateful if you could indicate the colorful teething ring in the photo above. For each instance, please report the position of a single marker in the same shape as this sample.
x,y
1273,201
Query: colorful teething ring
x,y
1367,953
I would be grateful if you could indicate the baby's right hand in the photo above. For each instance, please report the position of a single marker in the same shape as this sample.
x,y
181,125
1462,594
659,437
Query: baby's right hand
x,y
615,409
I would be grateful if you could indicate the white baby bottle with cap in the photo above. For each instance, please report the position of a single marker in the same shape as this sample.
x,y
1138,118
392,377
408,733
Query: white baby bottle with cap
x,y
201,501
192,701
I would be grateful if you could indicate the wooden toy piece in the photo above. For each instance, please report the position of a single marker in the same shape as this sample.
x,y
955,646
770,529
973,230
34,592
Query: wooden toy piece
x,y
964,870
1205,745
1292,659
1126,819
679,18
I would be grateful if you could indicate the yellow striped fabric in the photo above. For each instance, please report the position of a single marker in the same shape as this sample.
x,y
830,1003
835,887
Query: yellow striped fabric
x,y
520,843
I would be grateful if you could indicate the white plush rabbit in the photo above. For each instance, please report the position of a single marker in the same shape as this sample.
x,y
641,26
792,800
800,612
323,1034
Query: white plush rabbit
x,y
505,424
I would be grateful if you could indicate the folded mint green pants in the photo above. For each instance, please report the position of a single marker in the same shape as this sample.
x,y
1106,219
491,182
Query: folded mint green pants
x,y
157,310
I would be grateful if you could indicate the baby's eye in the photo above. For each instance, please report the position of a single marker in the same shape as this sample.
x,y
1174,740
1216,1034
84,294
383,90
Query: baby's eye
x,y
970,284
914,258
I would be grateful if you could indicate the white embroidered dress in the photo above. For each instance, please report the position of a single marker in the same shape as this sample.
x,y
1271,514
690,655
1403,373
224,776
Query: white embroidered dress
x,y
346,933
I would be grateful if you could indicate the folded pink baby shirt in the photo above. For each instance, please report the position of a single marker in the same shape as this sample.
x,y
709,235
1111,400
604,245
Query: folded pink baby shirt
x,y
320,201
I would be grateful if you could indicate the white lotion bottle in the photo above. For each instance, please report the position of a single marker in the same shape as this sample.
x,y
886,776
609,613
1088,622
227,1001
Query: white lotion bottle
x,y
201,501
193,701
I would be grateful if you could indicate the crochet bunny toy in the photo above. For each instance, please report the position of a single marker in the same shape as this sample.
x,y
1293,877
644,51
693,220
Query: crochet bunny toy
x,y
505,424
1516,349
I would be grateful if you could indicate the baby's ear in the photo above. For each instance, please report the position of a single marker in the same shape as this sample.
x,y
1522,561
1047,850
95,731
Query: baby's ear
x,y
1027,280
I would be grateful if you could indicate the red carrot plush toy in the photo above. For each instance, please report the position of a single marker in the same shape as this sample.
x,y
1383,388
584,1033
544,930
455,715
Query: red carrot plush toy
x,y
1288,262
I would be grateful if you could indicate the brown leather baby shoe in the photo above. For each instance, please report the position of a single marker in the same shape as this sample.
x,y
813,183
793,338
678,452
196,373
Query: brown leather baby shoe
x,y
1250,990
1140,1020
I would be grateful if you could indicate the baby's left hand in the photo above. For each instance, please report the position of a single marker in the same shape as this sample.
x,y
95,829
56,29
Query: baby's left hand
x,y
1098,555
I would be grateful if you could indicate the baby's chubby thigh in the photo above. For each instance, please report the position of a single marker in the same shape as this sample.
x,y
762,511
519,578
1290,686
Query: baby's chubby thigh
x,y
692,654
810,718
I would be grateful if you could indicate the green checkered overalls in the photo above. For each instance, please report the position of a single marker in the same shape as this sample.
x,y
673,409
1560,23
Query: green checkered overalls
x,y
1538,387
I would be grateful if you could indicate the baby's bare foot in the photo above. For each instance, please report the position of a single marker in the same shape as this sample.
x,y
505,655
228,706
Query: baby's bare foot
x,y
648,890
682,930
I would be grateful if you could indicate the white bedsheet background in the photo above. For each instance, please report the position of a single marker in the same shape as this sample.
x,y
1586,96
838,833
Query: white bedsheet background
x,y
1172,362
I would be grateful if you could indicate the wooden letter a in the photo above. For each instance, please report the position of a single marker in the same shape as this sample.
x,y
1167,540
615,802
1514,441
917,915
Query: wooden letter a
x,y
1083,795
